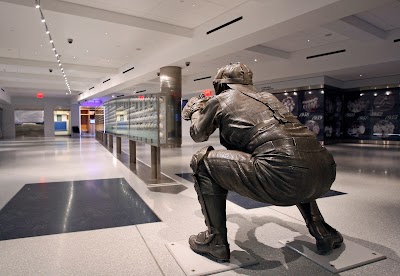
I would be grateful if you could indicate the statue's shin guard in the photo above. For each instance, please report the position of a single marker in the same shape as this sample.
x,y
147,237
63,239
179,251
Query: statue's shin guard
x,y
213,208
327,237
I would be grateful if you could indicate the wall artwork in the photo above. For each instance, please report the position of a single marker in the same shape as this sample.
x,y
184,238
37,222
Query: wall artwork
x,y
29,123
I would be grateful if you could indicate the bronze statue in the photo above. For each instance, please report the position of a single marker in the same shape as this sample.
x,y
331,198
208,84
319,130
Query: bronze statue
x,y
270,157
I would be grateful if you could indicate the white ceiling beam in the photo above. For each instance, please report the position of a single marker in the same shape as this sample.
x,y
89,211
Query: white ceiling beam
x,y
47,64
108,16
43,78
356,28
261,49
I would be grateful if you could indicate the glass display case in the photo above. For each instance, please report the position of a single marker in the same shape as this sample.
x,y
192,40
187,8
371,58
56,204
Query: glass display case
x,y
140,118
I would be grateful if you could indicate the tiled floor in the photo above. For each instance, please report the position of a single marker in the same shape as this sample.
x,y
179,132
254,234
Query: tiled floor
x,y
367,214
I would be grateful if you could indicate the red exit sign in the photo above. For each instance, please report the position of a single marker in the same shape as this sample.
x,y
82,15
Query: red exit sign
x,y
39,95
207,93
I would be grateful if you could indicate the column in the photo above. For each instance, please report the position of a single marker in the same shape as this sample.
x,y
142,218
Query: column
x,y
171,87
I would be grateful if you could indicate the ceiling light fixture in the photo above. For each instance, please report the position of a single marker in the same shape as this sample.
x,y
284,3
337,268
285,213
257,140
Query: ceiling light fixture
x,y
37,6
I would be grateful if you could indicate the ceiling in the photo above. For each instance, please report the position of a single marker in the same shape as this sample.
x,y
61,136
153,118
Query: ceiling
x,y
274,37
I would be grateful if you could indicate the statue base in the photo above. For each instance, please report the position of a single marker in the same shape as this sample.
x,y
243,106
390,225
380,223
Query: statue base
x,y
348,256
195,264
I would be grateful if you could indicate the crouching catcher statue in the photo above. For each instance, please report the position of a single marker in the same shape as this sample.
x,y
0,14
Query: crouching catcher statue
x,y
270,157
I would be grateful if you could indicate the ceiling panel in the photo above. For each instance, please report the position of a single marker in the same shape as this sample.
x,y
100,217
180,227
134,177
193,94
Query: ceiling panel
x,y
306,39
386,17
130,7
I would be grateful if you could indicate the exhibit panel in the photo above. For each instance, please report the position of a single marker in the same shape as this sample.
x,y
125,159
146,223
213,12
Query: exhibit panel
x,y
333,114
371,115
308,107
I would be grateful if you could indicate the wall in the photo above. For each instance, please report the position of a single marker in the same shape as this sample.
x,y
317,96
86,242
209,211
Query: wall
x,y
29,103
8,121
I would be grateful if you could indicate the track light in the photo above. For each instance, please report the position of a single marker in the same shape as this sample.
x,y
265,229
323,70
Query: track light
x,y
37,5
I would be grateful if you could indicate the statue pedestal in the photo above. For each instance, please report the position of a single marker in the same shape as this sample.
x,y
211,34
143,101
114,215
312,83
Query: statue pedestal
x,y
195,264
348,256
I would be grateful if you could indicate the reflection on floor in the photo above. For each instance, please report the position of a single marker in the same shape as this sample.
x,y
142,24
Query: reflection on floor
x,y
78,184
246,202
62,207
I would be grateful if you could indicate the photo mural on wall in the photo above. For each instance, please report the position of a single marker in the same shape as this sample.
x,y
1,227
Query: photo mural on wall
x,y
29,123
372,115
356,116
333,115
385,115
311,111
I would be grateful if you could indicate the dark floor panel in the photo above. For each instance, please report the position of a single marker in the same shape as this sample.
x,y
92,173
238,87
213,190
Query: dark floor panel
x,y
249,203
62,207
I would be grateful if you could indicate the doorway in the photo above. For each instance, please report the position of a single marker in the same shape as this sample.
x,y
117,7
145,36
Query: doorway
x,y
62,125
87,116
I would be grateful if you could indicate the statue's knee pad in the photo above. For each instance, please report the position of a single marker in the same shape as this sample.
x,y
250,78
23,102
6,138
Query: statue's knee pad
x,y
198,157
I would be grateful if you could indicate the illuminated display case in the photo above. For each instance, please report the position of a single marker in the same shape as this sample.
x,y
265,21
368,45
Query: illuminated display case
x,y
140,118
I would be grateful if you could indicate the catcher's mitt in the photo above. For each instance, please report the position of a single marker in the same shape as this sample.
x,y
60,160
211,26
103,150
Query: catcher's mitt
x,y
193,105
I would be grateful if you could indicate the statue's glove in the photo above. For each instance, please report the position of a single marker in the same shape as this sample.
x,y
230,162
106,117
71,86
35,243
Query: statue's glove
x,y
194,104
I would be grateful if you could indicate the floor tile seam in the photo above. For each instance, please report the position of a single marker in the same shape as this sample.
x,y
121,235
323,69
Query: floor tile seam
x,y
151,253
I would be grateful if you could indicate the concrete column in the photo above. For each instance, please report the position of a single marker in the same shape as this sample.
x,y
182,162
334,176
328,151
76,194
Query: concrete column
x,y
171,87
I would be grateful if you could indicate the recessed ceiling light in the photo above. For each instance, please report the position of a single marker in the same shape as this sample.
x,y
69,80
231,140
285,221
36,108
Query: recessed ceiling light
x,y
360,75
87,51
106,33
308,40
51,41
255,60
41,45
74,57
37,6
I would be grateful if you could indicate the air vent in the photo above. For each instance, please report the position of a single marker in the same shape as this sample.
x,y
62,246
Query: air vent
x,y
327,54
224,25
106,80
80,93
3,90
91,88
126,71
209,77
396,40
140,91
120,96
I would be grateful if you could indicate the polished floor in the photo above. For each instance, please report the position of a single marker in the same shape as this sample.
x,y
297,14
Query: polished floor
x,y
81,191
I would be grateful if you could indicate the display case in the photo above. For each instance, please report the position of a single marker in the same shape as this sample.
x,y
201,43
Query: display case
x,y
139,118
99,119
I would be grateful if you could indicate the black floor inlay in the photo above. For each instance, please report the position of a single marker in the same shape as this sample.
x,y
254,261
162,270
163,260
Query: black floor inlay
x,y
246,202
62,207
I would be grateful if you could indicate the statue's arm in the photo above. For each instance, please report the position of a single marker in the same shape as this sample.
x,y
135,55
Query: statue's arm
x,y
205,121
